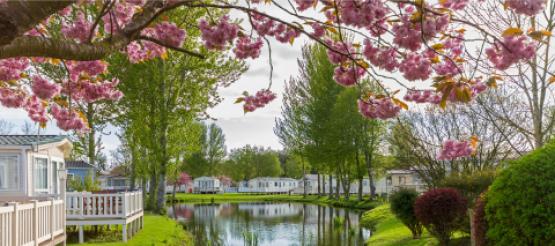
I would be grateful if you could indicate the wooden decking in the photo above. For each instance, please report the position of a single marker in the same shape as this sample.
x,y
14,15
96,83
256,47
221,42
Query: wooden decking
x,y
125,208
32,223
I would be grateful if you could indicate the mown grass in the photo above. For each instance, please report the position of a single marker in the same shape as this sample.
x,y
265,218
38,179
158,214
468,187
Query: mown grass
x,y
387,230
158,230
352,202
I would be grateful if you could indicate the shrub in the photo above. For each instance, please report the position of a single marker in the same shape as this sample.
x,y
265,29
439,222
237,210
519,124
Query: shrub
x,y
479,223
520,208
402,205
439,210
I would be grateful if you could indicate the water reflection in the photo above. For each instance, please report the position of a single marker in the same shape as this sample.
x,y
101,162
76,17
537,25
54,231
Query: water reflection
x,y
270,224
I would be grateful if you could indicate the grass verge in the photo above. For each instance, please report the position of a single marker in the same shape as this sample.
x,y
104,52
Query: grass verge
x,y
240,197
389,231
158,230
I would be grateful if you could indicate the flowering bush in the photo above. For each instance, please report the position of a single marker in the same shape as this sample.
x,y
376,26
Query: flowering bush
x,y
439,210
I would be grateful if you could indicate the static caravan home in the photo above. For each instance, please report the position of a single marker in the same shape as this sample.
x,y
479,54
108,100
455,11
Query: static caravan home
x,y
32,187
270,185
207,185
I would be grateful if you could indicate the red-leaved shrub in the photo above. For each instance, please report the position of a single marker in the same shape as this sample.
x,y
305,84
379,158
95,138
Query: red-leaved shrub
x,y
479,223
439,210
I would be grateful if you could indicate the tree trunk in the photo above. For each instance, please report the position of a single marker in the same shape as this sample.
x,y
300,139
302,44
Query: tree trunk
x,y
319,184
369,158
304,177
91,144
152,191
360,187
330,186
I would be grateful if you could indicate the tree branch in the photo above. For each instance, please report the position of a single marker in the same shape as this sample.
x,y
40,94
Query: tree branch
x,y
158,42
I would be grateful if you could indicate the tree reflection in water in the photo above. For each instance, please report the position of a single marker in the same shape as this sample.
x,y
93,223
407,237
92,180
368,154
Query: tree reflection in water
x,y
264,223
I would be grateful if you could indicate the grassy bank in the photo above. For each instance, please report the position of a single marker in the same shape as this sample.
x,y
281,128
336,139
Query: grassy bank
x,y
389,231
158,230
240,197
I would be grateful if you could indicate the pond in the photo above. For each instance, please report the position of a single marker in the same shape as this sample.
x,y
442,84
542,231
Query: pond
x,y
270,223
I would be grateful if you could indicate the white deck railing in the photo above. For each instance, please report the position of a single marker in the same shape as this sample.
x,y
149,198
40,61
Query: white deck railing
x,y
84,205
31,223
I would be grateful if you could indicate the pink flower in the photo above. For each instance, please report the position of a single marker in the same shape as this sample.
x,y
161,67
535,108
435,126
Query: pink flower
x,y
218,35
348,76
511,51
362,13
339,52
526,7
170,34
378,108
36,110
319,30
118,17
453,149
267,27
246,47
43,89
13,68
454,4
78,28
11,98
68,120
303,5
424,96
382,58
87,68
415,67
259,100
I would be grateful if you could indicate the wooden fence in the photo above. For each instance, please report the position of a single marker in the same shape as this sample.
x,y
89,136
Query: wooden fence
x,y
31,223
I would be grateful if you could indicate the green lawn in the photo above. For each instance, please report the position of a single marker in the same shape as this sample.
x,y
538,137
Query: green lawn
x,y
240,197
158,230
389,231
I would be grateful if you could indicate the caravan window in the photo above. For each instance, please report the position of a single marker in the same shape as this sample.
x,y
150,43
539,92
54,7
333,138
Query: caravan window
x,y
9,173
41,174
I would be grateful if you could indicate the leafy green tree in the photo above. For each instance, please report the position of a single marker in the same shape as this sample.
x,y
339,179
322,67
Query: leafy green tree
x,y
251,162
163,100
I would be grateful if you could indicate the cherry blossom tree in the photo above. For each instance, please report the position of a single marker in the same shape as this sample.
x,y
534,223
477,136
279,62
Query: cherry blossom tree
x,y
428,48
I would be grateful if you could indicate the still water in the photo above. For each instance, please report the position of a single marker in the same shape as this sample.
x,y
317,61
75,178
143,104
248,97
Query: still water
x,y
265,223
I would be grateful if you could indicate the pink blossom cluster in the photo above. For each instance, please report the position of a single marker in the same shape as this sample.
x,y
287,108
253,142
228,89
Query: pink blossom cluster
x,y
384,58
259,100
423,96
11,98
36,110
78,28
118,17
339,51
511,51
303,5
348,76
319,30
169,33
89,91
415,67
67,119
408,34
218,35
43,89
13,68
378,108
268,27
362,13
526,7
447,68
246,47
77,69
453,149
454,4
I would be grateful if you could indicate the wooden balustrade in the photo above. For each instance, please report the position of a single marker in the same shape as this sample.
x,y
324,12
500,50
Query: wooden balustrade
x,y
83,205
31,223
